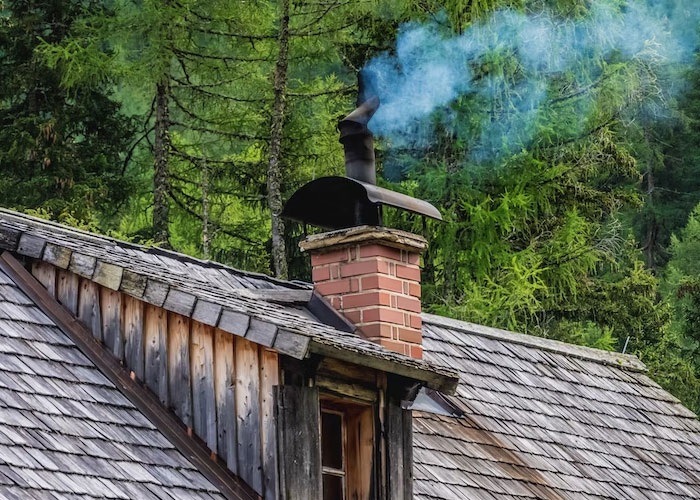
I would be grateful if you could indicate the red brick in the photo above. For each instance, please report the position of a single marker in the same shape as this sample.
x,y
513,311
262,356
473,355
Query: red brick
x,y
413,258
415,322
380,251
353,317
410,335
320,273
392,345
335,302
333,287
377,330
374,314
381,282
366,299
414,289
408,303
364,267
408,272
318,259
335,271
416,352
354,285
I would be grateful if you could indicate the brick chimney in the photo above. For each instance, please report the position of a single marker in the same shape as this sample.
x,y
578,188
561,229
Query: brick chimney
x,y
372,275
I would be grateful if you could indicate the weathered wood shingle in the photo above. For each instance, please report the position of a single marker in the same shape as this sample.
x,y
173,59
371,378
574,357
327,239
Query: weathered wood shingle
x,y
66,431
542,419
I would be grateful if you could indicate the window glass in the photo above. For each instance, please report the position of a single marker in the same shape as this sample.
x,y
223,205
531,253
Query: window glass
x,y
332,440
332,487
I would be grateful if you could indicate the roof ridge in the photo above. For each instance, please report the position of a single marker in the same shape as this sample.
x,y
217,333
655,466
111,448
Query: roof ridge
x,y
610,358
28,219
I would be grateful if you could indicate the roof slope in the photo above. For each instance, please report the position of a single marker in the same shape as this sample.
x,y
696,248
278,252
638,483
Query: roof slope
x,y
267,311
65,430
549,420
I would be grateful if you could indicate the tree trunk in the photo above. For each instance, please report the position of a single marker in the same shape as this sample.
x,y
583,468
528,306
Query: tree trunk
x,y
652,229
161,233
274,171
206,237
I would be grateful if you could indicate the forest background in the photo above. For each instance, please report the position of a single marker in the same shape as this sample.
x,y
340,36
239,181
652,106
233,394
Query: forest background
x,y
570,193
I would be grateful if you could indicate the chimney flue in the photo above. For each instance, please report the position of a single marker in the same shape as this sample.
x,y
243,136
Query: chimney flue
x,y
358,142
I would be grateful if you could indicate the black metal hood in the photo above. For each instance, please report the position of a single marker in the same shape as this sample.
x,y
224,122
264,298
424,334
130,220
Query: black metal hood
x,y
355,200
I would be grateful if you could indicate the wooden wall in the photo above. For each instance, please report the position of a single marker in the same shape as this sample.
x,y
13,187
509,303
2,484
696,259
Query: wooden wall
x,y
220,385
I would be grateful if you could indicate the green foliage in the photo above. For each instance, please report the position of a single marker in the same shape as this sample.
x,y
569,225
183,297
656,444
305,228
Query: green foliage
x,y
60,150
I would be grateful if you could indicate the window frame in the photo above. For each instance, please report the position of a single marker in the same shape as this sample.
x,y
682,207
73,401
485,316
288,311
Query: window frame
x,y
331,471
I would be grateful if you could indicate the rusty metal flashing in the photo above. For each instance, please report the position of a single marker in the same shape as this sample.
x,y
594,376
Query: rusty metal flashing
x,y
193,448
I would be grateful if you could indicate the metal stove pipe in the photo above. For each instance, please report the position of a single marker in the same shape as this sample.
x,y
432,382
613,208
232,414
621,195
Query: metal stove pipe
x,y
358,142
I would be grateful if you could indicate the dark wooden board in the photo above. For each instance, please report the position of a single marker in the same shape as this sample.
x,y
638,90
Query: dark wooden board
x,y
298,425
234,322
261,332
248,413
133,284
57,255
269,378
134,351
112,332
67,284
203,395
82,265
179,302
89,307
207,312
179,380
224,385
155,339
31,246
155,292
108,275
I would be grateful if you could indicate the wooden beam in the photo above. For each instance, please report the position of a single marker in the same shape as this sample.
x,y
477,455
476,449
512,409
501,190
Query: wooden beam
x,y
224,385
89,307
46,275
112,332
67,290
248,413
134,350
179,379
269,378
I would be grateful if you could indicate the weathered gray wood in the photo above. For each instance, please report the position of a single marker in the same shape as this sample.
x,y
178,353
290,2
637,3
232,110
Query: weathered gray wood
x,y
269,378
234,322
134,351
9,238
224,385
31,246
108,275
203,397
346,388
89,307
399,455
207,312
248,414
155,292
133,284
82,265
46,275
179,302
292,344
112,333
298,425
67,285
261,332
57,255
180,393
155,339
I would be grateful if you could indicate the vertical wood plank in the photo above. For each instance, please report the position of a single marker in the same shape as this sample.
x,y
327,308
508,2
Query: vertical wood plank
x,y
155,339
89,307
298,416
46,275
134,351
179,383
248,413
203,398
269,378
224,384
67,290
112,334
399,456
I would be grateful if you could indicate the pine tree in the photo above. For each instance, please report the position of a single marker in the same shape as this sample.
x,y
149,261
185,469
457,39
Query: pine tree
x,y
59,148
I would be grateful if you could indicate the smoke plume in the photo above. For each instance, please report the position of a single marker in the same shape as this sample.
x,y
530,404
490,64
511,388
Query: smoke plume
x,y
429,70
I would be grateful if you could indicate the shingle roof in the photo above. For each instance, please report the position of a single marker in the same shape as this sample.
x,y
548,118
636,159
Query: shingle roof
x,y
268,311
542,419
65,430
